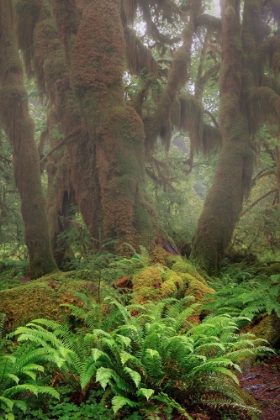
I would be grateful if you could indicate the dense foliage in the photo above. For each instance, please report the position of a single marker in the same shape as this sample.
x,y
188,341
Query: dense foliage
x,y
132,131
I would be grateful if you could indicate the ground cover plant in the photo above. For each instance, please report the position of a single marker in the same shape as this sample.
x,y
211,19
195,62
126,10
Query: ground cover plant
x,y
127,124
143,361
245,293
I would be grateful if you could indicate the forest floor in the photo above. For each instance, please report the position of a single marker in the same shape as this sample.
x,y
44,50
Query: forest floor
x,y
262,381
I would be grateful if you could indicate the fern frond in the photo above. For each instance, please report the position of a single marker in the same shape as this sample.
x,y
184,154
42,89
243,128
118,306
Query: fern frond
x,y
119,401
34,389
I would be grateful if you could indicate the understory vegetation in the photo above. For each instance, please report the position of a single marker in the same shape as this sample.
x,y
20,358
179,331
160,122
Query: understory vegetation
x,y
139,207
113,357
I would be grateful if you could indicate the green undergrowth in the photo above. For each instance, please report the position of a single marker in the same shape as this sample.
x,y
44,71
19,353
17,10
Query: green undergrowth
x,y
129,361
11,271
245,293
249,293
138,351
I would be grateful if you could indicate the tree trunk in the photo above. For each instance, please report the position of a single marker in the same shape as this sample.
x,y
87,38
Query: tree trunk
x,y
115,130
234,169
19,127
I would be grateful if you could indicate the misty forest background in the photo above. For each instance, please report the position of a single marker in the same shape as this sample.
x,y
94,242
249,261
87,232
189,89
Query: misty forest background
x,y
139,206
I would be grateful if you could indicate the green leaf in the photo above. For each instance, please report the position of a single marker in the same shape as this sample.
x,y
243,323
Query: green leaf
x,y
135,376
21,388
227,372
48,390
8,403
146,392
13,377
103,375
125,356
125,340
118,402
9,416
153,353
96,354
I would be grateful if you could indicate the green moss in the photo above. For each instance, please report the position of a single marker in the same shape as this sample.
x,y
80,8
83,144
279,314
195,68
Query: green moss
x,y
176,263
158,282
147,284
196,288
268,328
159,255
40,299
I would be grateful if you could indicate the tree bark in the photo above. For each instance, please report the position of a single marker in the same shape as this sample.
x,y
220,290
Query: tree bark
x,y
234,169
19,127
115,130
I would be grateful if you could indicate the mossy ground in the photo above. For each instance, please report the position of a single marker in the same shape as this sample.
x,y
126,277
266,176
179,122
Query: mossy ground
x,y
41,299
160,281
267,327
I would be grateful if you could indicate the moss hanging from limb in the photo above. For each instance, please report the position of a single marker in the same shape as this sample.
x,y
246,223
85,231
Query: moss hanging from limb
x,y
160,124
19,127
138,56
69,14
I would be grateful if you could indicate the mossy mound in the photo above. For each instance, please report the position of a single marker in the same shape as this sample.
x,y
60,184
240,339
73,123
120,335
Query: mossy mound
x,y
158,282
159,256
270,269
268,328
178,264
194,287
40,299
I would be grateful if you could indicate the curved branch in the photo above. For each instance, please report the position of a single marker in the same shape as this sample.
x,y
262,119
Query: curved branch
x,y
258,200
60,144
209,21
260,175
213,119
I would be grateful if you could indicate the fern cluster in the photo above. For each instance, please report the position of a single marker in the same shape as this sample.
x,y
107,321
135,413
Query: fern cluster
x,y
18,372
149,359
246,295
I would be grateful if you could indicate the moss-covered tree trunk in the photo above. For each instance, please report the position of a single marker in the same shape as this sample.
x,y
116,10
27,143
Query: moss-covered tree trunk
x,y
234,169
19,127
44,55
115,130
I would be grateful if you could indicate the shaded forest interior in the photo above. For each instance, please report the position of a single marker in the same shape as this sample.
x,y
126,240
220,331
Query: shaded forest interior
x,y
139,209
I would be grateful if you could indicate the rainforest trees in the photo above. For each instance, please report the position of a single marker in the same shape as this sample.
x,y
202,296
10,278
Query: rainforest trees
x,y
112,92
249,98
15,118
81,52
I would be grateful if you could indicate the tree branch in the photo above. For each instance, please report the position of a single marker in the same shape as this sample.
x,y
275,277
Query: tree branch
x,y
62,143
257,201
